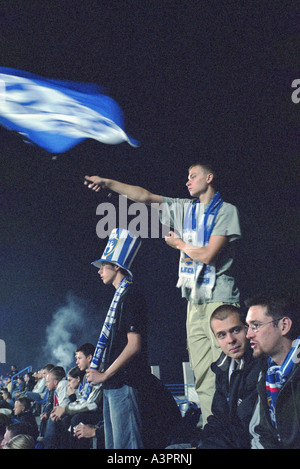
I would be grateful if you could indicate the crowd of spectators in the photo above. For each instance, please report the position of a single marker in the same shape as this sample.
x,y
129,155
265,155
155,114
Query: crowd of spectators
x,y
27,404
46,409
256,403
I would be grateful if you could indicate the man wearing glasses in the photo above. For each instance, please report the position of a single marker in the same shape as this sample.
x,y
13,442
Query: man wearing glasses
x,y
235,397
273,330
236,373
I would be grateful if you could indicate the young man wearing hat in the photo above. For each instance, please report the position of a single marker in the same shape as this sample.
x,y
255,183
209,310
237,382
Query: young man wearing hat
x,y
122,346
206,228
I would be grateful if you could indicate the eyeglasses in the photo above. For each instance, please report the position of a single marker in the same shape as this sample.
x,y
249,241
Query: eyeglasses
x,y
257,325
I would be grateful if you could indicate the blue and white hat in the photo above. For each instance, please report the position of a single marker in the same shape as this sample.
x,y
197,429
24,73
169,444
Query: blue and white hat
x,y
121,249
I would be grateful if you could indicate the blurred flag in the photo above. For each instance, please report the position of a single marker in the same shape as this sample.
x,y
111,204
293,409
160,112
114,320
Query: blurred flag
x,y
57,115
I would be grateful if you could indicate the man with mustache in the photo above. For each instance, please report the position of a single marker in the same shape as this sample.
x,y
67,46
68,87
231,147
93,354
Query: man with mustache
x,y
273,330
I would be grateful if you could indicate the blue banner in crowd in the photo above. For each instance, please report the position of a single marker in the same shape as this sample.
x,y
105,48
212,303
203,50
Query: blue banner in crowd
x,y
57,115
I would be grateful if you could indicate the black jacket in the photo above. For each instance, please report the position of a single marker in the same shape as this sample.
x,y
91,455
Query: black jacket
x,y
233,404
287,433
28,418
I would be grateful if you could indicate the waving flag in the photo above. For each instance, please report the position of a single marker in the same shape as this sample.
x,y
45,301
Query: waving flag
x,y
57,115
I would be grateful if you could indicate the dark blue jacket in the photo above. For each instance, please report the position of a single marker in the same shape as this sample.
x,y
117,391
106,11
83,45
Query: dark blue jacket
x,y
233,403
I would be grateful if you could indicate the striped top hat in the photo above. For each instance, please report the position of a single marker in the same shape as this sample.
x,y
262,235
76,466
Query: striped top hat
x,y
121,249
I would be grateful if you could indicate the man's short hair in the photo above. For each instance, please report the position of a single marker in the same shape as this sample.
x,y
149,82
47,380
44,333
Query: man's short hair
x,y
86,349
48,367
58,372
222,312
207,166
24,401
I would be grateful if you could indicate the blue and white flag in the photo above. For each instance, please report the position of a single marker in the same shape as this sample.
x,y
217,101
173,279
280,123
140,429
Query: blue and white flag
x,y
57,115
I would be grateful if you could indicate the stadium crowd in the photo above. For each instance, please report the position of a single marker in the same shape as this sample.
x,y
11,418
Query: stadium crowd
x,y
255,405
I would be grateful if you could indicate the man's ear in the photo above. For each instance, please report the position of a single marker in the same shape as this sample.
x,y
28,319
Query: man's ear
x,y
209,177
286,325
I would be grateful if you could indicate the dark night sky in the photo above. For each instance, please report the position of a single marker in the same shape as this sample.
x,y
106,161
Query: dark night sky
x,y
212,79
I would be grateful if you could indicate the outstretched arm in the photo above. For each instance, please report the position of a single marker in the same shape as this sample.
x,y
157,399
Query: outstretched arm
x,y
136,193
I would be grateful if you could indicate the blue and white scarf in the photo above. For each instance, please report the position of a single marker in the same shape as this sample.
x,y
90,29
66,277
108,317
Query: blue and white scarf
x,y
110,319
197,228
277,376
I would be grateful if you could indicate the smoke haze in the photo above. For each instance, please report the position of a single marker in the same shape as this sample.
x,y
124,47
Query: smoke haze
x,y
71,326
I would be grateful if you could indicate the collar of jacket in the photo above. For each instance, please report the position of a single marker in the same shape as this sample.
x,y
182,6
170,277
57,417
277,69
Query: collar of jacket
x,y
224,361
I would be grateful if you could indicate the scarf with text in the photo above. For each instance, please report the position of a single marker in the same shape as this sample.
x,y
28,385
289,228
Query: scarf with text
x,y
197,228
105,332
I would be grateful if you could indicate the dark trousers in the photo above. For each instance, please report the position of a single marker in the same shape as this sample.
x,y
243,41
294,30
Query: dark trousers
x,y
67,439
